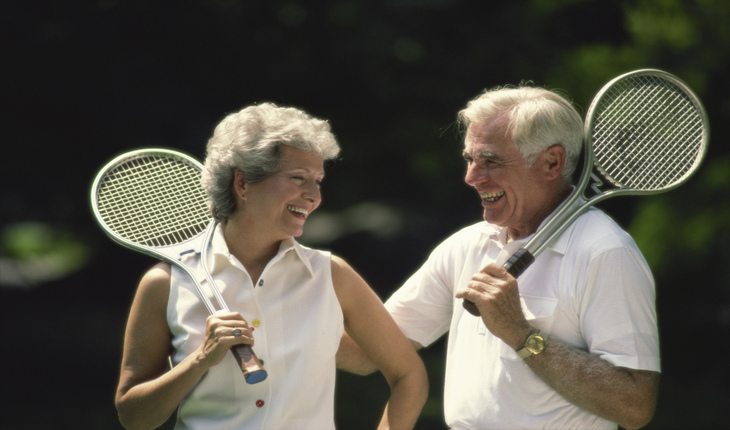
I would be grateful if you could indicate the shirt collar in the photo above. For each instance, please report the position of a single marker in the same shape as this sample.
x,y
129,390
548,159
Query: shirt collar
x,y
219,255
499,235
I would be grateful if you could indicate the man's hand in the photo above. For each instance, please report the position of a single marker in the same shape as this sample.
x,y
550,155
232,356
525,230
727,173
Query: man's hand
x,y
495,293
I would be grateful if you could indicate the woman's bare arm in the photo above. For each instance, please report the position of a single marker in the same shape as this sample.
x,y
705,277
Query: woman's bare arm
x,y
372,328
149,391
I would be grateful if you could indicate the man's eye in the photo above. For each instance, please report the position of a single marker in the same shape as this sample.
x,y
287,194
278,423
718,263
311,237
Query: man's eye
x,y
492,162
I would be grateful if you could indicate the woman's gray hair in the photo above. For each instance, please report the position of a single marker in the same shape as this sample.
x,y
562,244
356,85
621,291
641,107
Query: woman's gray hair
x,y
537,119
250,140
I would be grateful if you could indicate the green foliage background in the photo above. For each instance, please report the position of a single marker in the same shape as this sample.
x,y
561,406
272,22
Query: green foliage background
x,y
89,79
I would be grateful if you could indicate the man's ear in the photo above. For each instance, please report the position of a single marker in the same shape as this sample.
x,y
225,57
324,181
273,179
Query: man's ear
x,y
240,186
553,161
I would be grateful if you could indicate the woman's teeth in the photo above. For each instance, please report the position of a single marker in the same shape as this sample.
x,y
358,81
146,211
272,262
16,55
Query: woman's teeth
x,y
297,210
491,197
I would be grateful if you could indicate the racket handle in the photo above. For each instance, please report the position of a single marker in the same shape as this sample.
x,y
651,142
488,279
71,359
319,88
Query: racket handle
x,y
471,307
253,369
515,266
519,262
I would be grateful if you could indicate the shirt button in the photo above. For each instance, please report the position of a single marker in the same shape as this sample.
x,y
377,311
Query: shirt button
x,y
256,323
259,403
261,282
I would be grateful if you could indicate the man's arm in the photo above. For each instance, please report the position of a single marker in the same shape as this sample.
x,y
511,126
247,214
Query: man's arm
x,y
625,396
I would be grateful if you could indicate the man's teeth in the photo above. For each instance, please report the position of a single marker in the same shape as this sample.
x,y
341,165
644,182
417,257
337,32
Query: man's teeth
x,y
298,210
491,197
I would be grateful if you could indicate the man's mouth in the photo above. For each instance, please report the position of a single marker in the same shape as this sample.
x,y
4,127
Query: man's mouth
x,y
491,197
297,211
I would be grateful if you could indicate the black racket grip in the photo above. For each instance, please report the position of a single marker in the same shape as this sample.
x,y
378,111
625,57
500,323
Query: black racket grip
x,y
253,369
519,262
515,266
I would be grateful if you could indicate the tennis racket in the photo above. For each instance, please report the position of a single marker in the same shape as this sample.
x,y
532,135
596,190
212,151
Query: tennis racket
x,y
645,133
151,201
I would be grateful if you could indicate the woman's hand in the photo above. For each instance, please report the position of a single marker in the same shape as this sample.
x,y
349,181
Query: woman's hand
x,y
222,331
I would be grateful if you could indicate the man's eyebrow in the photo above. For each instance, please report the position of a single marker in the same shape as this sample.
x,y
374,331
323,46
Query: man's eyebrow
x,y
483,155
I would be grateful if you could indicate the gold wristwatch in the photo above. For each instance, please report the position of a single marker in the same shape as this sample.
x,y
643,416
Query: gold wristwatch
x,y
534,344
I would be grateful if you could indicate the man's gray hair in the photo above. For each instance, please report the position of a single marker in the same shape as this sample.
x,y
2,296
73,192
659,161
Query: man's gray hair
x,y
537,119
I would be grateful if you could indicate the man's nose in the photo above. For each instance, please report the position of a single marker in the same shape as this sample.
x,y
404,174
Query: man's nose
x,y
475,174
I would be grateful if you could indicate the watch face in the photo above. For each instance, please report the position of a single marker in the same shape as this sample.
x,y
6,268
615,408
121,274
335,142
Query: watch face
x,y
535,344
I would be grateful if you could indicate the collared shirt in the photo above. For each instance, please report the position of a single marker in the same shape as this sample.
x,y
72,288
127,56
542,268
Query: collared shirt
x,y
591,289
298,324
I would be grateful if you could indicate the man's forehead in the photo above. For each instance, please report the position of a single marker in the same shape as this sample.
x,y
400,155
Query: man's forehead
x,y
490,131
478,141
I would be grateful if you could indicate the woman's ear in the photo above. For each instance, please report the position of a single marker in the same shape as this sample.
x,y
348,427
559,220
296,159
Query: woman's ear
x,y
240,186
553,161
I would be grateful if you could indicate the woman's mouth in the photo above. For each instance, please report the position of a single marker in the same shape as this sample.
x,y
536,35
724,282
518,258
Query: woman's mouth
x,y
297,211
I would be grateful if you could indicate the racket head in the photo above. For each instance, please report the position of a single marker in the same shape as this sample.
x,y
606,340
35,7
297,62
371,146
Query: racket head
x,y
646,132
151,200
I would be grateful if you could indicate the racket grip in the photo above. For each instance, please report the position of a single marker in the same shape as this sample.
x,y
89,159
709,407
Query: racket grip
x,y
253,369
471,307
519,262
515,266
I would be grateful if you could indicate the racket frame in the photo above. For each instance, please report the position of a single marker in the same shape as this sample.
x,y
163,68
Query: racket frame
x,y
174,254
577,201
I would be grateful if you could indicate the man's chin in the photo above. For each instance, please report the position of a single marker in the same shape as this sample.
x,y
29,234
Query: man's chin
x,y
491,219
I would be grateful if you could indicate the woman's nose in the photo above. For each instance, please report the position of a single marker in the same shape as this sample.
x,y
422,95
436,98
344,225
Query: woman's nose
x,y
312,191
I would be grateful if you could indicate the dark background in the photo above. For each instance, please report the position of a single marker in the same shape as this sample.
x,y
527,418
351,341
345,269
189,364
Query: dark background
x,y
87,80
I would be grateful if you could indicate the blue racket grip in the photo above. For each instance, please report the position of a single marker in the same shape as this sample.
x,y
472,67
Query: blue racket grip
x,y
515,266
253,369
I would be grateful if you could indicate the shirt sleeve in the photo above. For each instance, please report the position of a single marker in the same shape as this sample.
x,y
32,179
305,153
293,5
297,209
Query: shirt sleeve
x,y
618,315
422,307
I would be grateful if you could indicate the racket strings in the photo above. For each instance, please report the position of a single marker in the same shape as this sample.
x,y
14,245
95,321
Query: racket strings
x,y
154,201
641,135
647,134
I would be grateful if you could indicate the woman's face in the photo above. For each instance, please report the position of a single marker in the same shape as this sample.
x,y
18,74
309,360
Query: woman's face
x,y
281,203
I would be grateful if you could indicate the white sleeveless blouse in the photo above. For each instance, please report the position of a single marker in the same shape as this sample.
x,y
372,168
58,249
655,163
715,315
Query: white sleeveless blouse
x,y
298,324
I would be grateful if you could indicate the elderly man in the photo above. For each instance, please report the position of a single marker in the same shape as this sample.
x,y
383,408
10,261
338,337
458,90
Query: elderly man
x,y
572,344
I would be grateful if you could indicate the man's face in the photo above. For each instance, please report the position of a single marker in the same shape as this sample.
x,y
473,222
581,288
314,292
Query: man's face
x,y
513,193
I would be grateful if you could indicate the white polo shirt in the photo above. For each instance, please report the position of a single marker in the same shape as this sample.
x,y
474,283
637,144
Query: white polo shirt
x,y
592,289
298,325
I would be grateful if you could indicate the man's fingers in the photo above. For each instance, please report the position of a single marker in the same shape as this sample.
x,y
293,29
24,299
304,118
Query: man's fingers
x,y
494,270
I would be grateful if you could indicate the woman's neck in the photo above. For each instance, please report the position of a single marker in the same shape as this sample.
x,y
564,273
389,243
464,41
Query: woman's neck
x,y
253,247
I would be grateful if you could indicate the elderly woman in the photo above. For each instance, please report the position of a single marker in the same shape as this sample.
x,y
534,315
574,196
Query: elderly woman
x,y
263,171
